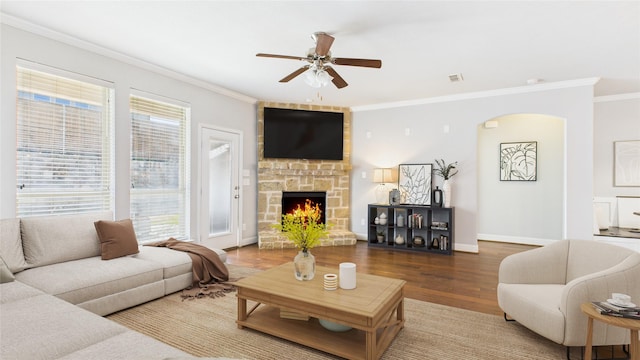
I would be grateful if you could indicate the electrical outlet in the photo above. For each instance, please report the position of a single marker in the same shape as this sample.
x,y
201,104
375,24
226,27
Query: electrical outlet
x,y
362,222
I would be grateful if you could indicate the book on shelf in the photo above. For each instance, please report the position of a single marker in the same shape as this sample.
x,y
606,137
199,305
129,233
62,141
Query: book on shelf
x,y
415,221
439,228
606,308
439,225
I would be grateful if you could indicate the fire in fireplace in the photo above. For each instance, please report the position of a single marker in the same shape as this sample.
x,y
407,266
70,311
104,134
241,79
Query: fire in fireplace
x,y
291,200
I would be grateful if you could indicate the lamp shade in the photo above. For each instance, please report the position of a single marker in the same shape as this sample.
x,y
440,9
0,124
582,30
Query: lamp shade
x,y
383,175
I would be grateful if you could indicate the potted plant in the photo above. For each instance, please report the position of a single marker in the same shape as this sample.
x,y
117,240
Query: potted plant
x,y
446,171
380,236
303,227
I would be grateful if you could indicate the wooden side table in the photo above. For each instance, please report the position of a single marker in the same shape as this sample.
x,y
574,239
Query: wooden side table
x,y
631,324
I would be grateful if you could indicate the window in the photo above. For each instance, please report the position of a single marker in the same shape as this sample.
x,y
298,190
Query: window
x,y
159,168
64,143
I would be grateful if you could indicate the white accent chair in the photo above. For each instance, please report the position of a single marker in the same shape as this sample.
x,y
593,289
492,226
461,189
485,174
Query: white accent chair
x,y
543,288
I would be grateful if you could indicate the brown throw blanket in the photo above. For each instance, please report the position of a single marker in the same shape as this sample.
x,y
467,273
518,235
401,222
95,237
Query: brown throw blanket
x,y
209,272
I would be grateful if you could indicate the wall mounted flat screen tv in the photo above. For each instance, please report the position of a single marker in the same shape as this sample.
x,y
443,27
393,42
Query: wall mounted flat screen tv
x,y
303,134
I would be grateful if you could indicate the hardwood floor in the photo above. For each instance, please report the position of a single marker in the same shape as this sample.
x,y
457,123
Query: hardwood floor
x,y
464,280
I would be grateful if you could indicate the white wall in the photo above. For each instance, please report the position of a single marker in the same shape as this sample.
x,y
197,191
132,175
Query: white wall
x,y
616,119
388,145
207,107
521,201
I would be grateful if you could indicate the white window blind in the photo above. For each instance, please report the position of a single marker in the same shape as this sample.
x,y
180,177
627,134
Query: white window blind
x,y
159,169
64,144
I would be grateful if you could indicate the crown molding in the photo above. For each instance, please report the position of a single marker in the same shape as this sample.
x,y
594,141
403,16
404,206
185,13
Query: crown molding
x,y
483,94
86,45
617,97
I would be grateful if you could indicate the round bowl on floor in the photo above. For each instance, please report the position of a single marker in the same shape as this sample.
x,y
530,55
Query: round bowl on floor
x,y
330,325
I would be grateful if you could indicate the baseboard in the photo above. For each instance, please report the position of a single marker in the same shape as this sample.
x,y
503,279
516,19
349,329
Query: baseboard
x,y
466,248
361,237
515,239
249,241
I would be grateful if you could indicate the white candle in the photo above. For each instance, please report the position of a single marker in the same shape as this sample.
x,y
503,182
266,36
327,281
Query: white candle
x,y
347,276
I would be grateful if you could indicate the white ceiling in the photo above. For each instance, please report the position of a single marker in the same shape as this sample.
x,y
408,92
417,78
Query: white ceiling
x,y
494,44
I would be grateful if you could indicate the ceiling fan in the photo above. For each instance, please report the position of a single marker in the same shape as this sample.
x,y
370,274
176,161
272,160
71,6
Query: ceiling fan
x,y
319,70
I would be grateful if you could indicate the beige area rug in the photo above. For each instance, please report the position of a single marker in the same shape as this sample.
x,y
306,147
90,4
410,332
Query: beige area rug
x,y
206,327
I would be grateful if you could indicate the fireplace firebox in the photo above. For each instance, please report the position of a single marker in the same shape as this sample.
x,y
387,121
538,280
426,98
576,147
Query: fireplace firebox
x,y
291,200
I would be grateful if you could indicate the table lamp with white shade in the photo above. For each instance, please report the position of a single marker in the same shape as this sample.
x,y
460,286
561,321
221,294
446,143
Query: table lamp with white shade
x,y
383,176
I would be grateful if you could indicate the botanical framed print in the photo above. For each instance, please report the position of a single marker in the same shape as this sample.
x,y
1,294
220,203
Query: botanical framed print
x,y
626,163
414,183
519,161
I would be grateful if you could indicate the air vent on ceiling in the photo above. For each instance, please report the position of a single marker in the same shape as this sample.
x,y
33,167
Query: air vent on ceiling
x,y
455,77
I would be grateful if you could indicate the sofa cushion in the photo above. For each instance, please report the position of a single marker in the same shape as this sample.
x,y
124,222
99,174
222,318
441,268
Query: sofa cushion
x,y
54,239
91,278
16,290
44,327
174,263
117,238
11,245
5,274
128,298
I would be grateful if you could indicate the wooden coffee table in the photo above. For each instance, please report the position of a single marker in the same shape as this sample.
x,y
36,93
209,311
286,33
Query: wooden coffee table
x,y
374,309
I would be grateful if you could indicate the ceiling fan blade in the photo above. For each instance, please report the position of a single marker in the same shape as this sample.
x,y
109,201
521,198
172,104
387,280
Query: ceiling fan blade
x,y
294,74
358,62
281,56
323,43
337,80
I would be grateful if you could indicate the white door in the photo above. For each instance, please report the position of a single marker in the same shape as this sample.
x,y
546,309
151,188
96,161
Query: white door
x,y
220,159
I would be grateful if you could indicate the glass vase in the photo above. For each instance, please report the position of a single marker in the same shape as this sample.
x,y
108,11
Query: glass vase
x,y
304,265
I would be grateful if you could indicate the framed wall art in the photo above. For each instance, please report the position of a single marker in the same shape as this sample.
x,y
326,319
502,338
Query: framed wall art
x,y
414,183
626,163
519,161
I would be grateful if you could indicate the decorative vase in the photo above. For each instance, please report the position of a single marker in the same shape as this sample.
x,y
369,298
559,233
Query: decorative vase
x,y
437,197
383,219
399,240
304,265
446,196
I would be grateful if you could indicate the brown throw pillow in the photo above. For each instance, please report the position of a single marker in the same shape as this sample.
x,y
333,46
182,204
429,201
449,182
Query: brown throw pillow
x,y
117,238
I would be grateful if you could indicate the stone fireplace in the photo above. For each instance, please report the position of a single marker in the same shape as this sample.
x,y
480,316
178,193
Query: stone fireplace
x,y
333,178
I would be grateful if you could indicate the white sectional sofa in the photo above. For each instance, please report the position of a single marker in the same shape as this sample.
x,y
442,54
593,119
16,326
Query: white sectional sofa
x,y
56,287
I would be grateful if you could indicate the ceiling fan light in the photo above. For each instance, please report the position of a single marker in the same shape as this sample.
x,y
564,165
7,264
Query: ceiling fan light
x,y
311,79
323,77
316,78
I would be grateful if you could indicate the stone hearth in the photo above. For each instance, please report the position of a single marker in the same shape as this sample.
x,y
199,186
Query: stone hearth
x,y
278,175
